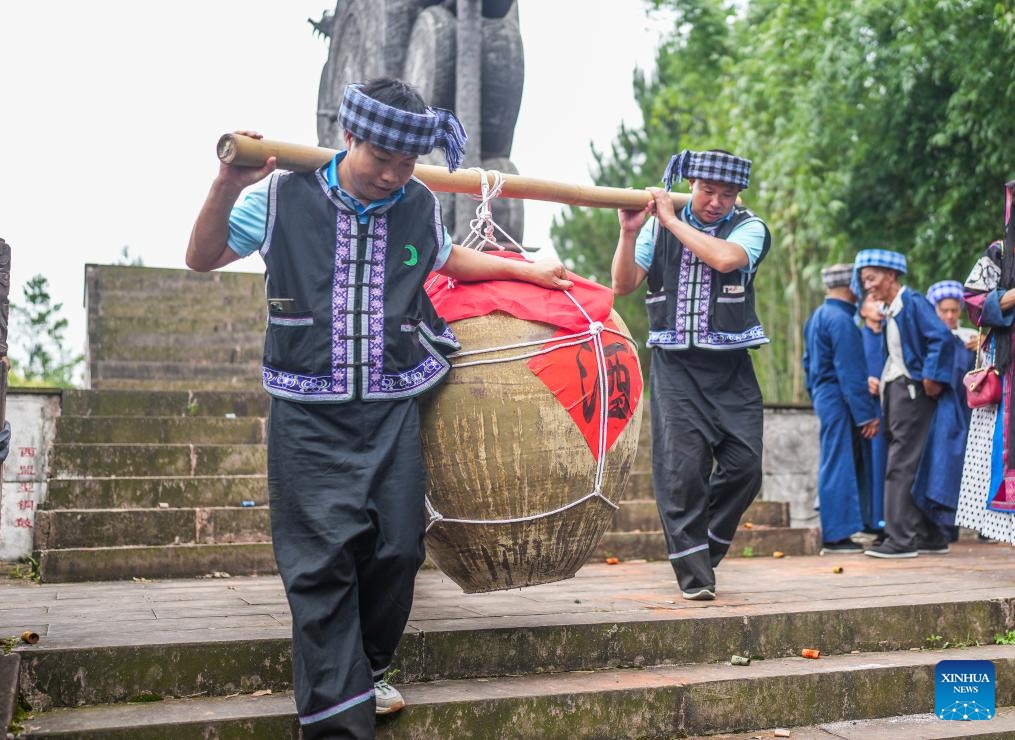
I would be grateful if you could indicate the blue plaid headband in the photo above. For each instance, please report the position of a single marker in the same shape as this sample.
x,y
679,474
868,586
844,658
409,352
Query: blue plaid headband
x,y
876,258
716,166
398,130
946,289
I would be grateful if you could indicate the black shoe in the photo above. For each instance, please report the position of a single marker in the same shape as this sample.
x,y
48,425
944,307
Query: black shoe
x,y
841,547
889,552
933,548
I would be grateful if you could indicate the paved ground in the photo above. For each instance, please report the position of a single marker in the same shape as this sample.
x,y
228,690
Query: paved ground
x,y
120,613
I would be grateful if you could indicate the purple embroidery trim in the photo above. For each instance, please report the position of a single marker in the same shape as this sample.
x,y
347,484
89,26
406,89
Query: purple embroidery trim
x,y
295,384
341,322
376,252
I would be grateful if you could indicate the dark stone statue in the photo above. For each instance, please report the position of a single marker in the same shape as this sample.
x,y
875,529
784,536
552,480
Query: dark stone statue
x,y
464,55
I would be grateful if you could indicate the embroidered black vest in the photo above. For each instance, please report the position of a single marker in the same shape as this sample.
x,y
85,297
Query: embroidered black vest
x,y
690,304
348,316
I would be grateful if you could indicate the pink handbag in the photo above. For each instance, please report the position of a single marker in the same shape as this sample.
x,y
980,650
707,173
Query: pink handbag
x,y
983,384
983,387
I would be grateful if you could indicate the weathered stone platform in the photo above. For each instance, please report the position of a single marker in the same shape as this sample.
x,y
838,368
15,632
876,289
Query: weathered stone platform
x,y
613,652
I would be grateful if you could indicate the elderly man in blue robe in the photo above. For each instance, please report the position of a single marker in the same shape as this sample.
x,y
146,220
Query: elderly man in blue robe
x,y
835,371
916,393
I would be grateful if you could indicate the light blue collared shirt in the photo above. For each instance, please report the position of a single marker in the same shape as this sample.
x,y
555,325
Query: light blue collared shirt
x,y
248,219
750,235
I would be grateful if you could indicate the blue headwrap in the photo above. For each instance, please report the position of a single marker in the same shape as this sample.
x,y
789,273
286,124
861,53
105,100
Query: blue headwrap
x,y
717,166
399,130
875,258
946,289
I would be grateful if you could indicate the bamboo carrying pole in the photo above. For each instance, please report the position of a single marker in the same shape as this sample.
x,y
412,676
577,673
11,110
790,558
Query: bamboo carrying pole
x,y
245,151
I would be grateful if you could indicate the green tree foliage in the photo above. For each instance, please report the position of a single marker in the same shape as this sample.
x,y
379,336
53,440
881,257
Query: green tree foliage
x,y
37,328
876,123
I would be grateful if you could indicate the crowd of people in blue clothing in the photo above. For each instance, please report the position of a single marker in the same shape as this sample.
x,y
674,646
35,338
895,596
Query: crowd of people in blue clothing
x,y
885,366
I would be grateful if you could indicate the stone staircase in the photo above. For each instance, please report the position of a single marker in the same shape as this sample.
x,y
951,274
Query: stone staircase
x,y
167,329
608,654
159,469
156,484
170,484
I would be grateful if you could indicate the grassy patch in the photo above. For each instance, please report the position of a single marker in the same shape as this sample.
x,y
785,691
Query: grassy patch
x,y
1006,638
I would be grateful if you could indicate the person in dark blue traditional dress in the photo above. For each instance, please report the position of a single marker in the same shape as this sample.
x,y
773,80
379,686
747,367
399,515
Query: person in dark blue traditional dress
x,y
835,372
872,316
949,430
915,390
352,344
949,303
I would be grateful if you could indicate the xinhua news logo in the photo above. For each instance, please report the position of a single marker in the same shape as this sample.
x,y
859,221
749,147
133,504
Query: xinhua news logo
x,y
964,689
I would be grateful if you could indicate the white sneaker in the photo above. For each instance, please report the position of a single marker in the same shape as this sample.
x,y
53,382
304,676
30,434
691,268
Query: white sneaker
x,y
387,697
704,594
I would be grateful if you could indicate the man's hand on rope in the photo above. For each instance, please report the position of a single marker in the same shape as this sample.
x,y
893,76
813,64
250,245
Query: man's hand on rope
x,y
548,273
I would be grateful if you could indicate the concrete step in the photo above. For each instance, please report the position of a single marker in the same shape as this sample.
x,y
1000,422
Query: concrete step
x,y
240,383
166,280
222,350
167,561
163,430
221,636
755,542
164,403
171,341
142,460
102,528
151,492
660,701
641,515
176,302
904,727
190,368
112,328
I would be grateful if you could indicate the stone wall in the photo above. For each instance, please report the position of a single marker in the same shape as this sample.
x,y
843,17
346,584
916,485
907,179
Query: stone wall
x,y
32,415
791,461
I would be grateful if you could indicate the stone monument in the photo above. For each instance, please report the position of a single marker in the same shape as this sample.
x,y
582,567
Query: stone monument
x,y
463,55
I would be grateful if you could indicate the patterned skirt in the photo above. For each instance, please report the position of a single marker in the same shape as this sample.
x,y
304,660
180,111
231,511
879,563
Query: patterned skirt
x,y
975,490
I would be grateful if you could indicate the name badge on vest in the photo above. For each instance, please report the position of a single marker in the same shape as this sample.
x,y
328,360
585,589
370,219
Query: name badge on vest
x,y
732,289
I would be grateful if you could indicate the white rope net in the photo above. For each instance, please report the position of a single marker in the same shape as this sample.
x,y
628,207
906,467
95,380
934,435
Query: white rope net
x,y
482,233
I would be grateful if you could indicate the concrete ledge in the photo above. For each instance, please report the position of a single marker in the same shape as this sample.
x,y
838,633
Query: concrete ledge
x,y
244,659
641,515
102,528
756,542
199,430
10,666
195,403
142,460
656,702
150,492
171,561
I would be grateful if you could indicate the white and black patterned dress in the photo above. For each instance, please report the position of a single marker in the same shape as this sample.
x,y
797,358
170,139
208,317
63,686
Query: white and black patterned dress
x,y
975,490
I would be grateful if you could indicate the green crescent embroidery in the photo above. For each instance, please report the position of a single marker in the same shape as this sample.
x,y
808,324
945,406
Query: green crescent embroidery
x,y
413,256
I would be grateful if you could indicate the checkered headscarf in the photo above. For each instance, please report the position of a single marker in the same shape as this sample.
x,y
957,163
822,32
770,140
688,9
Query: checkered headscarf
x,y
946,289
876,258
717,166
837,276
398,130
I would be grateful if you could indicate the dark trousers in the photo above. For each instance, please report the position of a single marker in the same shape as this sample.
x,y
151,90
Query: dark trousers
x,y
707,421
346,485
908,414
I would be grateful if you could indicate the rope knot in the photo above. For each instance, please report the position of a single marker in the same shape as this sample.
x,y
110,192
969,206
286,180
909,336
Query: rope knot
x,y
596,327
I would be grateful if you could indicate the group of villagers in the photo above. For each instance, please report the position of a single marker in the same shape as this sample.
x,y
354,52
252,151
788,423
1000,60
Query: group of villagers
x,y
906,455
353,344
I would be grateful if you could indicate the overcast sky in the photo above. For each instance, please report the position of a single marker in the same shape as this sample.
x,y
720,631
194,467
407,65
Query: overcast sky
x,y
109,114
